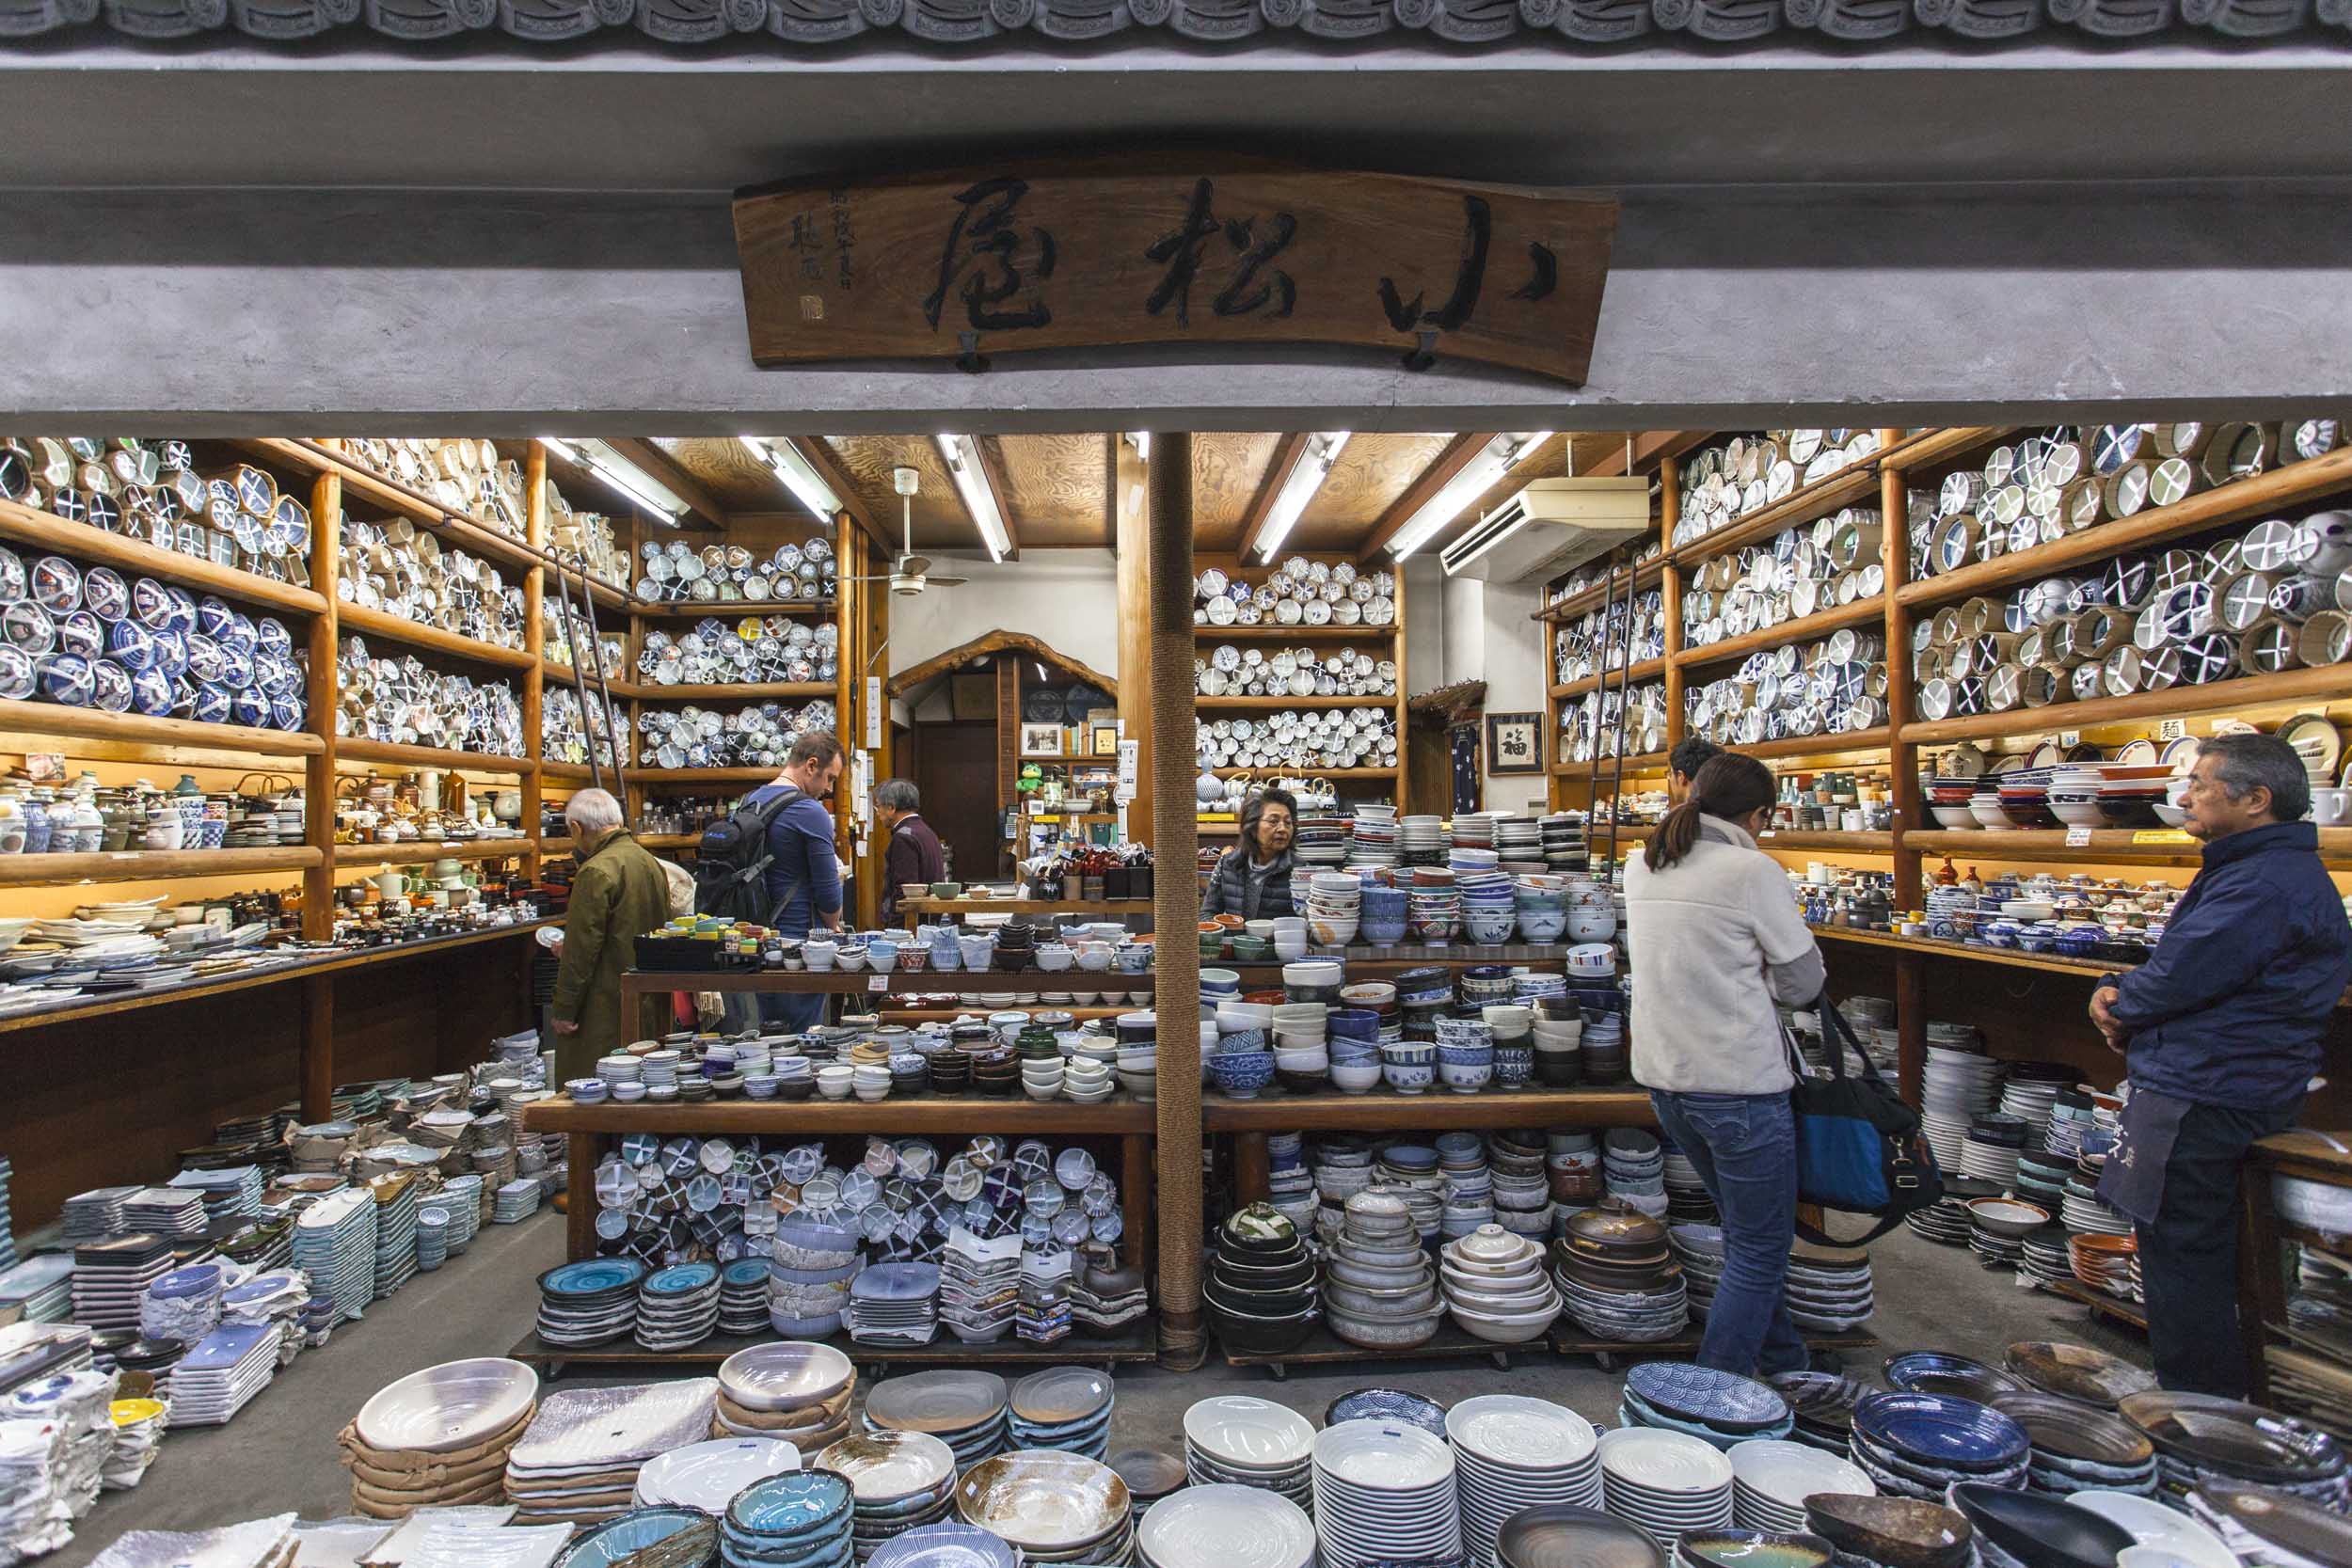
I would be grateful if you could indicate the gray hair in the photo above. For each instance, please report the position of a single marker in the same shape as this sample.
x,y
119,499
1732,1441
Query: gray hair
x,y
2246,761
591,812
898,795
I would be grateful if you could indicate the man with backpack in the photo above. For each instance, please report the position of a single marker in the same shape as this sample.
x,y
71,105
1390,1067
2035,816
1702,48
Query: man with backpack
x,y
771,860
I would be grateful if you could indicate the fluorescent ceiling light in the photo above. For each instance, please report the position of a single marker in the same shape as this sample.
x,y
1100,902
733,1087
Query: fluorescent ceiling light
x,y
622,475
1305,478
1142,440
963,461
798,475
1498,457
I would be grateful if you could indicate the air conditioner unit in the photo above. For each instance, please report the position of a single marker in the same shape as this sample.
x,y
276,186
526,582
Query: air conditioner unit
x,y
1551,526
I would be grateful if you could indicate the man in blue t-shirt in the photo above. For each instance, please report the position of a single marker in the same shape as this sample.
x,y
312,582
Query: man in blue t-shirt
x,y
803,874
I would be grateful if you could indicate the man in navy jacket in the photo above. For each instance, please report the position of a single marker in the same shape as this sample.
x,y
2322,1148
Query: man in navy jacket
x,y
2222,1030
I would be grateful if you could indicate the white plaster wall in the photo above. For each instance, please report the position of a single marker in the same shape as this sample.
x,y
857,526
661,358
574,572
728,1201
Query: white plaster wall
x,y
1512,659
1068,598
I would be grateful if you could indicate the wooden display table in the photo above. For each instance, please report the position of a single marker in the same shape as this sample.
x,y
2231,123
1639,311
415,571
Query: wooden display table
x,y
1137,1341
1127,1119
1102,908
2312,1157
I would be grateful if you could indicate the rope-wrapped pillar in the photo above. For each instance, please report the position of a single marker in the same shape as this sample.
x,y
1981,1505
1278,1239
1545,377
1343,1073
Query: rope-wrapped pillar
x,y
1175,895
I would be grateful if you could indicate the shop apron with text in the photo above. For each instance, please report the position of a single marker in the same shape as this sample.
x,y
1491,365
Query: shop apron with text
x,y
2131,1181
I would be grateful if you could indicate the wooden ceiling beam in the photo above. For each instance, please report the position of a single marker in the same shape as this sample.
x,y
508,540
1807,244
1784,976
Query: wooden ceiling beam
x,y
819,458
1452,459
1649,448
989,643
1287,456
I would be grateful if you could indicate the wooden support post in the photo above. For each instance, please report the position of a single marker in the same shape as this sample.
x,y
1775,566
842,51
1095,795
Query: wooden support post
x,y
1135,1199
319,695
579,1182
318,1046
1903,766
1132,500
534,643
1253,1171
1163,679
1670,593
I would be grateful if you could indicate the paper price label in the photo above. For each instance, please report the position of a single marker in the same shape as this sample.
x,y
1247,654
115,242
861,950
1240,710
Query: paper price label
x,y
2172,729
2161,836
1768,833
873,712
2070,738
2077,838
878,982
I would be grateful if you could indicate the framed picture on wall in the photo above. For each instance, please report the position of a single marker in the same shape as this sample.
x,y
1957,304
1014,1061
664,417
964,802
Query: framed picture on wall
x,y
1106,740
1040,740
1515,743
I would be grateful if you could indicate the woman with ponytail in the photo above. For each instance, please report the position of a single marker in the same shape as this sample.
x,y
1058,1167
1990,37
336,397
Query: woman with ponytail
x,y
1716,940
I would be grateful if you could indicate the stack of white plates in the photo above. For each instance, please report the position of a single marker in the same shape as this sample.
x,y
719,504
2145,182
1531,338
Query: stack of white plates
x,y
708,1475
1384,1491
94,1215
1512,1452
894,1303
335,1244
2082,1211
396,1240
110,1278
1771,1478
964,1408
1665,1483
1239,1440
1956,1086
165,1211
229,1366
1225,1526
517,1200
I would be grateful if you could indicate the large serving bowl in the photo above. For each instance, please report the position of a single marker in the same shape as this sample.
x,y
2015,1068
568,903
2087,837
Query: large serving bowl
x,y
786,1375
455,1405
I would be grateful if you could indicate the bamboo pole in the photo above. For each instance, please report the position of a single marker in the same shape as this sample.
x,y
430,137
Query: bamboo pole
x,y
1175,905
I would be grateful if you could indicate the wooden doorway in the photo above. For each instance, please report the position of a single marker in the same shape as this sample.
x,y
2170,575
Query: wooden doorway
x,y
955,768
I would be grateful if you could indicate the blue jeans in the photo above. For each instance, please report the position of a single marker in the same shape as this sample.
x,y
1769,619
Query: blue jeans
x,y
1744,1146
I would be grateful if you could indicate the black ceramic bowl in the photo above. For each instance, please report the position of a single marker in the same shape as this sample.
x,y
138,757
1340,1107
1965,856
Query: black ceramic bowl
x,y
1261,1336
2042,1531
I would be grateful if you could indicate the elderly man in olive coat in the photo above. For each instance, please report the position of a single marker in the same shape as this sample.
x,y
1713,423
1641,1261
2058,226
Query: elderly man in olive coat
x,y
619,895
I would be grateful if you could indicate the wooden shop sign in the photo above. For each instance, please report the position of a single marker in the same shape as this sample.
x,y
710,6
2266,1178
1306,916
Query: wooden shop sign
x,y
1101,253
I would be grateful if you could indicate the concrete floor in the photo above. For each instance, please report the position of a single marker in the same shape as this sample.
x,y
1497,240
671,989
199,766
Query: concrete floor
x,y
279,1453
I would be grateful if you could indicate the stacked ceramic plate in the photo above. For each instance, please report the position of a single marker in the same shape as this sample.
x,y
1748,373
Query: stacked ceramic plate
x,y
1665,1483
1495,1286
592,1302
1919,1444
1067,1408
677,1306
1384,1491
1618,1278
1051,1506
579,1457
799,1518
945,1545
1225,1526
1512,1453
1946,1222
968,1411
1879,1532
1935,1372
1770,1480
398,1441
1822,1403
2205,1442
902,1479
707,1476
2107,1264
743,1296
1956,1087
110,1278
2076,1372
395,1234
2081,1211
231,1365
1240,1440
335,1244
788,1389
1827,1290
894,1304
2078,1449
1717,1407
516,1200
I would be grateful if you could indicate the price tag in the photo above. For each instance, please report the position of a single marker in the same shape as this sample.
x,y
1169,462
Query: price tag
x,y
2077,838
126,854
2161,836
2172,729
1130,768
873,713
878,982
452,844
1768,833
2070,738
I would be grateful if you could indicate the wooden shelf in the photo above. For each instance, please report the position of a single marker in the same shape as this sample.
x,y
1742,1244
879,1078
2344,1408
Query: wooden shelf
x,y
1385,1110
1645,762
1859,483
1819,745
569,772
751,691
921,982
2107,844
651,841
141,866
393,628
1273,705
1648,669
948,1015
2006,958
1931,448
96,546
1309,772
654,609
1107,909
1862,612
818,1116
1290,634
425,851
1795,838
2324,681
1322,1347
90,723
1648,575
352,749
2099,1302
1137,1341
703,775
2241,500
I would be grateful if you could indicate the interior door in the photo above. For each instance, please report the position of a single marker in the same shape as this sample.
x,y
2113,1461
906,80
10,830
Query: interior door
x,y
955,768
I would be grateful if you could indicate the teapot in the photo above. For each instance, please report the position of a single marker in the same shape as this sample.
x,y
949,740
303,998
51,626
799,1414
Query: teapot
x,y
1210,788
390,883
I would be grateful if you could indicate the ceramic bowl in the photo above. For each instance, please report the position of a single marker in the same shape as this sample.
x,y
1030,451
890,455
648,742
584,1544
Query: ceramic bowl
x,y
1465,1078
1355,1077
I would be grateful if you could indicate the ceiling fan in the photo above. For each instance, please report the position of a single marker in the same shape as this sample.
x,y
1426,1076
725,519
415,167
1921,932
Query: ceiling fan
x,y
911,572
